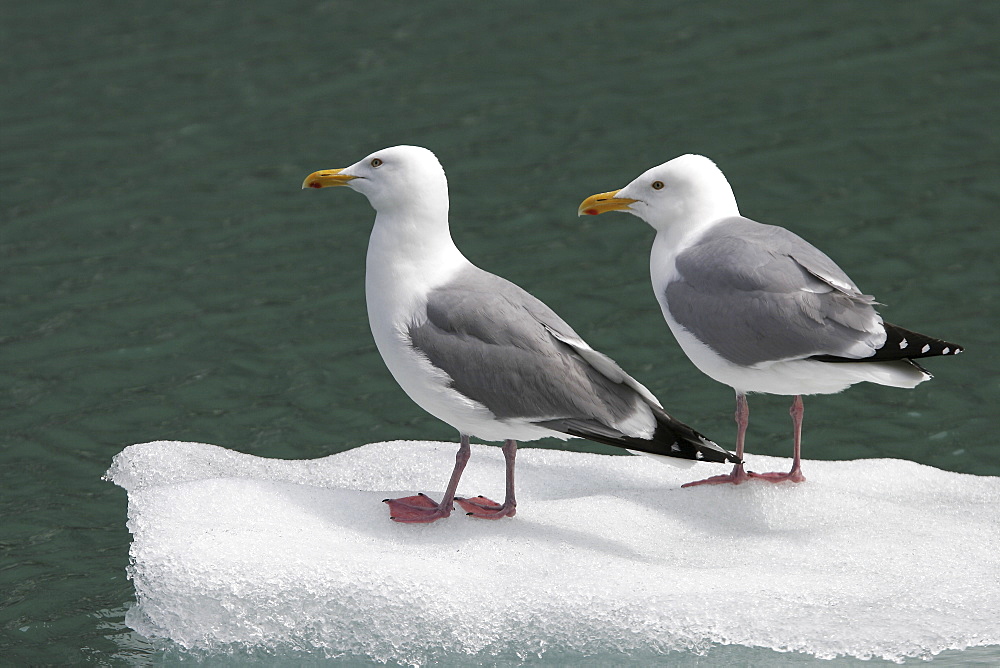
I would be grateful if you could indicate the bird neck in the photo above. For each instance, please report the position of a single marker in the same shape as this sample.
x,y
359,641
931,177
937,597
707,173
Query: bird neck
x,y
412,249
695,216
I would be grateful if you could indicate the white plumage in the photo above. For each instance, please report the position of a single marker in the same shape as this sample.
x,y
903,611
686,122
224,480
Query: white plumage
x,y
755,306
476,351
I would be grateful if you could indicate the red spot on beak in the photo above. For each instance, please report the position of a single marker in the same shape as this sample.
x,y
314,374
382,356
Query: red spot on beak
x,y
591,212
315,184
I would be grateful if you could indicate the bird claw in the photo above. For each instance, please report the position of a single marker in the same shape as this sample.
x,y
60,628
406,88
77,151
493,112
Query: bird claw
x,y
416,509
792,476
486,509
737,476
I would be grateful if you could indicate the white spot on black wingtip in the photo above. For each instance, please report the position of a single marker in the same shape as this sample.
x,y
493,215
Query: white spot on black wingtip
x,y
926,347
698,455
674,447
946,351
903,344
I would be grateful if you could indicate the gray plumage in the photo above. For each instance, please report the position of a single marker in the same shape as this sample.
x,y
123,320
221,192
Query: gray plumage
x,y
501,347
755,306
758,293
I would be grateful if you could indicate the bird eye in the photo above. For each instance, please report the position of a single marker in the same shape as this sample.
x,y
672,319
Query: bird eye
x,y
657,185
376,162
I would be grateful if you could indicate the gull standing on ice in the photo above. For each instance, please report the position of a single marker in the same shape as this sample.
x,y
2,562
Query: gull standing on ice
x,y
755,306
480,353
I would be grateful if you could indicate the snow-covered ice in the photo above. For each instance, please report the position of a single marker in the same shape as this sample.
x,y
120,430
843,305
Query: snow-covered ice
x,y
606,556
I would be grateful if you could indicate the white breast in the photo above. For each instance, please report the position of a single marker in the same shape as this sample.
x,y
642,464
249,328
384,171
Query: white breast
x,y
396,293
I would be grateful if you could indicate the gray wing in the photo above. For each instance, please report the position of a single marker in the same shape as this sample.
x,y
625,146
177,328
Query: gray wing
x,y
507,350
756,293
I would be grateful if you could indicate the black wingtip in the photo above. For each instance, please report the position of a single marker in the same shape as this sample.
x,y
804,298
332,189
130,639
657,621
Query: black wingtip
x,y
908,344
671,439
689,443
711,451
729,457
902,344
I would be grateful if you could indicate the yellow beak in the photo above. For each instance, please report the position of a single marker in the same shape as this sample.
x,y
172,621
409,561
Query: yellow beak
x,y
326,178
603,202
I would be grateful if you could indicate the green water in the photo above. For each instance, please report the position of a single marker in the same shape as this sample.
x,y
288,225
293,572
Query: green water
x,y
163,276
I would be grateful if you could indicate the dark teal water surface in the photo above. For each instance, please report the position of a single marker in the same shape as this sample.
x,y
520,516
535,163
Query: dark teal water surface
x,y
163,276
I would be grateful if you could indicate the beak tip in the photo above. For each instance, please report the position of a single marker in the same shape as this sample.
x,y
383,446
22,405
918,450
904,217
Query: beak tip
x,y
326,178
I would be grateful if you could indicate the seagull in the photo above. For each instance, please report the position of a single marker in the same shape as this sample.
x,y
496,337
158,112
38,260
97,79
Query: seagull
x,y
755,306
477,351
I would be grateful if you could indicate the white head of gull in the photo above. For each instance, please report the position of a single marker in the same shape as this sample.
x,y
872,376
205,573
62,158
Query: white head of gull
x,y
480,353
755,306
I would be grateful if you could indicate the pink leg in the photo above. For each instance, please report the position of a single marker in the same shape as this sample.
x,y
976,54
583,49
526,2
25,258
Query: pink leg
x,y
420,508
795,475
738,475
485,509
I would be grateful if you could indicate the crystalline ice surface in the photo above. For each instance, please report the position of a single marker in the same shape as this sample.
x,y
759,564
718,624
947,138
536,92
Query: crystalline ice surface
x,y
606,556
